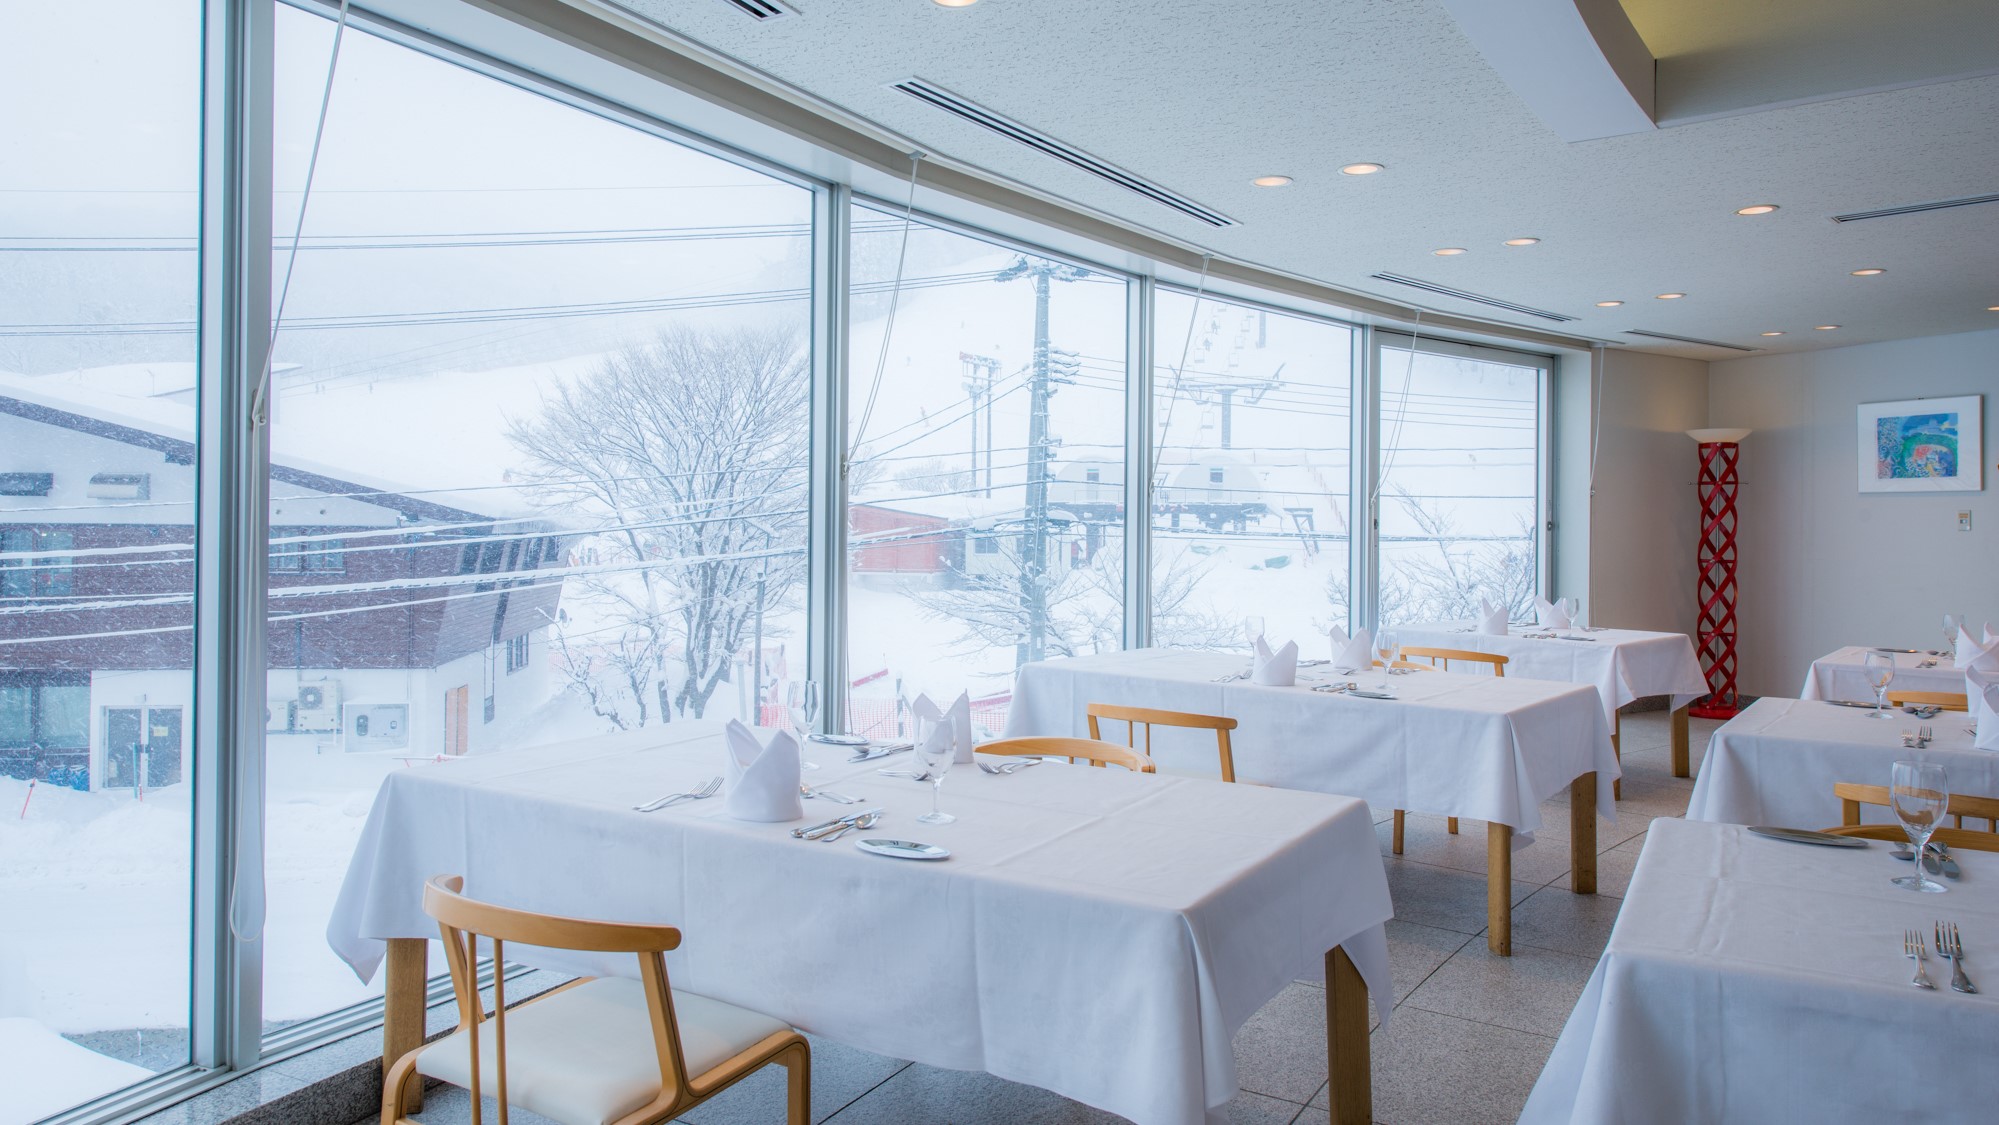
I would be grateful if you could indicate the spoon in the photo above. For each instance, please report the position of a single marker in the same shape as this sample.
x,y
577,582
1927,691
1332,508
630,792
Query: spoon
x,y
865,820
1009,767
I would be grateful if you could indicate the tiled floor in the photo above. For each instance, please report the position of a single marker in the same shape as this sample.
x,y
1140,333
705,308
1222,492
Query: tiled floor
x,y
1469,1033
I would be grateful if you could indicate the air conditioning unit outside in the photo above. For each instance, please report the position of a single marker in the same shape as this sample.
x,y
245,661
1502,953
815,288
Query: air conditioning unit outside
x,y
376,726
318,706
278,715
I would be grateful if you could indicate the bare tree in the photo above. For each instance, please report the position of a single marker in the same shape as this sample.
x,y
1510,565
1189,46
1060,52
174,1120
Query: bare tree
x,y
1452,572
690,453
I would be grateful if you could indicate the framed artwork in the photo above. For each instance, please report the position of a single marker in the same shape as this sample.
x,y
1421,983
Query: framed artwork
x,y
1922,445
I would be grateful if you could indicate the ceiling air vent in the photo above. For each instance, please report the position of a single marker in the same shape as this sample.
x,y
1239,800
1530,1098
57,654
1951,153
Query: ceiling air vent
x,y
1474,298
1041,142
760,10
1687,340
1915,208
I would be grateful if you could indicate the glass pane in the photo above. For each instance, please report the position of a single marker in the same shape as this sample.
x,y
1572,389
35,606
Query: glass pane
x,y
986,494
99,218
1250,504
1459,476
539,440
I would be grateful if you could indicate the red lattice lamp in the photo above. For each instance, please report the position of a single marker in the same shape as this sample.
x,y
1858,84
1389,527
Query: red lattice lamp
x,y
1714,631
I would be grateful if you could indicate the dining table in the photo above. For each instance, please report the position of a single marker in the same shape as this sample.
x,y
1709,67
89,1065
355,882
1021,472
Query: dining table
x,y
1095,932
1624,665
1776,761
1480,747
1841,674
1755,980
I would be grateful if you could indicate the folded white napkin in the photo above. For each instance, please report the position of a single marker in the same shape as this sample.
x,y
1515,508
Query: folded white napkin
x,y
1277,668
1352,654
957,718
1558,614
1492,619
761,782
1981,685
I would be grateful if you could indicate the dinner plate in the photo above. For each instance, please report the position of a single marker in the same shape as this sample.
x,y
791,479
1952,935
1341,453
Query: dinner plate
x,y
1802,836
902,849
838,739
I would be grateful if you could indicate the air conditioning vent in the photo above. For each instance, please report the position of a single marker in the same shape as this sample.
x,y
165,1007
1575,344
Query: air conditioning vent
x,y
1043,143
1474,298
760,9
1915,208
1688,340
120,486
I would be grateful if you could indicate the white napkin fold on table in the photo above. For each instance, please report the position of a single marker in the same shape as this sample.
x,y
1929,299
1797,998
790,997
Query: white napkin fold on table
x,y
1968,646
1353,654
760,782
1492,620
1558,614
1981,685
957,718
1277,668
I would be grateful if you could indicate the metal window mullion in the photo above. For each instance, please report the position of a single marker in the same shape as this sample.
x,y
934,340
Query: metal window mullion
x,y
1364,459
231,530
1544,478
1138,460
826,630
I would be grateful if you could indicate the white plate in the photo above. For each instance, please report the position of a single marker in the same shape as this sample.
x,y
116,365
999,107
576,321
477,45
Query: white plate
x,y
902,849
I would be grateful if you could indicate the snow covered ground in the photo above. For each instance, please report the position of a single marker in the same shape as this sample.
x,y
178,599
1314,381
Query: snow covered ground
x,y
43,1073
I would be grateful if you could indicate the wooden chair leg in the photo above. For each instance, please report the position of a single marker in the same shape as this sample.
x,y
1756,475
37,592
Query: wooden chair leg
x,y
1395,834
1582,834
798,1085
1350,1086
1617,751
1499,889
1682,753
402,1011
1451,825
396,1089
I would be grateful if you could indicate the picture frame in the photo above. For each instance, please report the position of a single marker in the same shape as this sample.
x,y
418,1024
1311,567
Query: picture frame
x,y
1922,445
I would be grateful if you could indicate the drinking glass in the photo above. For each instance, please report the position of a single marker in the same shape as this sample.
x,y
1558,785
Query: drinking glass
x,y
1919,795
936,758
1950,621
1252,628
1580,618
1880,670
801,698
1386,643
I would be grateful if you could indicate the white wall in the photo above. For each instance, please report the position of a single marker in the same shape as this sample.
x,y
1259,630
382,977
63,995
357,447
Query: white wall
x,y
1644,516
1821,564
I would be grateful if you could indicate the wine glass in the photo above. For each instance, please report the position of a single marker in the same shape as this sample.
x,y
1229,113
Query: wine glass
x,y
1880,670
1389,649
1950,625
1918,795
801,698
936,754
1252,629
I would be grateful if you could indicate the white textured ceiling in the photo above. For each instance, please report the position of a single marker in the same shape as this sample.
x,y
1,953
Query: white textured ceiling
x,y
1201,95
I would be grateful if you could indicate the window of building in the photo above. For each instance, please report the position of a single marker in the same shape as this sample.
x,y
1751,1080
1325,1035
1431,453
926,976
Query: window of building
x,y
34,573
517,653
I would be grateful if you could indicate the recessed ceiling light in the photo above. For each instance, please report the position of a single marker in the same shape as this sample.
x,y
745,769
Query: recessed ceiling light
x,y
1992,308
1363,169
1448,251
1825,327
1608,304
1271,181
955,3
1870,271
1773,333
1756,209
1671,296
1521,241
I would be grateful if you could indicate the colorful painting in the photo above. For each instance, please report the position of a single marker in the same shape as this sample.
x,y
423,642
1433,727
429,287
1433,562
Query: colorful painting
x,y
1925,445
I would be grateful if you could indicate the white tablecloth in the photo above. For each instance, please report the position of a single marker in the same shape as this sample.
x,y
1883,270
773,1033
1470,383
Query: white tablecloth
x,y
1622,664
1840,675
1754,981
1483,747
1776,762
1095,932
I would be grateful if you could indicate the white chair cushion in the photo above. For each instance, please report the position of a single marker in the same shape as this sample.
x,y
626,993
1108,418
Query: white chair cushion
x,y
585,1056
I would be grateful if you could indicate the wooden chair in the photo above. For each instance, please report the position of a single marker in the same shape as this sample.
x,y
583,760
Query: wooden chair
x,y
606,1051
1948,700
1948,837
1134,717
1852,795
1090,750
1402,660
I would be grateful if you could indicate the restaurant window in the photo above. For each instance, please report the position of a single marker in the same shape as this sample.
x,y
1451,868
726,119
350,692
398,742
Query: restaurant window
x,y
986,435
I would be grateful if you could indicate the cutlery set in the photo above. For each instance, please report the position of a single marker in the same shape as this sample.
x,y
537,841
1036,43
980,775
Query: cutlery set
x,y
1916,948
808,792
1936,859
707,790
1918,739
838,826
881,750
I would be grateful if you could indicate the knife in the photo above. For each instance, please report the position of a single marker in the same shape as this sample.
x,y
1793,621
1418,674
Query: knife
x,y
843,822
1941,854
801,833
1911,651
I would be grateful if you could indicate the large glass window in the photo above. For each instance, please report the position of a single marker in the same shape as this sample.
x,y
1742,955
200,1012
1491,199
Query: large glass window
x,y
1253,413
986,489
539,446
1460,476
99,217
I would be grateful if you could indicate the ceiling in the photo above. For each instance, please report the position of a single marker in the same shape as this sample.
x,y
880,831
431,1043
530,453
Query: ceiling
x,y
1194,96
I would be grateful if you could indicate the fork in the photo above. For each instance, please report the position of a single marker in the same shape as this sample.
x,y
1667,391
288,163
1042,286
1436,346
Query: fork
x,y
706,791
1913,948
809,792
1009,767
1951,949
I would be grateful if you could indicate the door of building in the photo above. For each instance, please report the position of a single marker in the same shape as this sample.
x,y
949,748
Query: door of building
x,y
142,746
457,713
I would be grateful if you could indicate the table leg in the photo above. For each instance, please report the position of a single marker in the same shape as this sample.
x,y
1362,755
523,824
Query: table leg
x,y
1582,834
402,1007
1499,888
1617,751
1350,1085
1682,761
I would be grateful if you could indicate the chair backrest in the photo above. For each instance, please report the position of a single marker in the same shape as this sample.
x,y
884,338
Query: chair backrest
x,y
463,921
1148,717
1410,652
1948,700
1096,753
1948,837
1852,795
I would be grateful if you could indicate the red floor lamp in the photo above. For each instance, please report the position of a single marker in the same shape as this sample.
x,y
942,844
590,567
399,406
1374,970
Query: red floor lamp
x,y
1714,630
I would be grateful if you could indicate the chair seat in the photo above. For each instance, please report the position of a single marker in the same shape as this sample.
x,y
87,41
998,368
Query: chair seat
x,y
585,1055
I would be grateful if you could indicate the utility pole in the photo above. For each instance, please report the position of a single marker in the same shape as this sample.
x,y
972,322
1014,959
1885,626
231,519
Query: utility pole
x,y
981,372
1034,574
